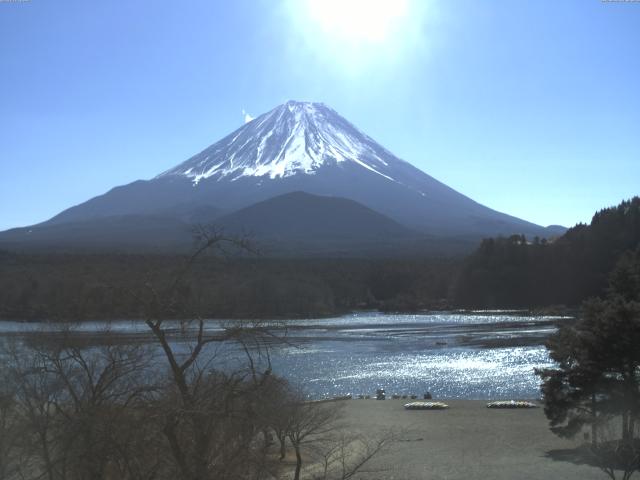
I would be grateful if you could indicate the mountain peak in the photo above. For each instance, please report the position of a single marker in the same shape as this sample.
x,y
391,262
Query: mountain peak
x,y
293,138
301,104
300,146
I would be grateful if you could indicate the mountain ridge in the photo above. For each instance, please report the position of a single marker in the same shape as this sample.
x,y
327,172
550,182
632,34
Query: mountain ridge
x,y
318,216
301,147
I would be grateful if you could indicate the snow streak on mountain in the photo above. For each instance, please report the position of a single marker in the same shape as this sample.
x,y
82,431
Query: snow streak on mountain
x,y
294,138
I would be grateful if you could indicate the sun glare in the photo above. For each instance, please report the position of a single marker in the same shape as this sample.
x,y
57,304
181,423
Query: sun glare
x,y
351,36
358,21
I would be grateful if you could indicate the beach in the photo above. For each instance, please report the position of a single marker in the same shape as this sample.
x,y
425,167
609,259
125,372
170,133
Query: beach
x,y
466,441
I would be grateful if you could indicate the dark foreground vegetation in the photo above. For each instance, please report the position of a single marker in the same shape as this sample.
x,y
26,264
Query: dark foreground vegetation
x,y
71,410
512,272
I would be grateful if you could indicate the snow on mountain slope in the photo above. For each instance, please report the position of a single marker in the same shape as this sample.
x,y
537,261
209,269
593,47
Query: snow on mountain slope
x,y
302,147
296,137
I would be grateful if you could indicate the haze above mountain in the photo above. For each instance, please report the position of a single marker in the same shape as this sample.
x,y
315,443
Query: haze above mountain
x,y
373,196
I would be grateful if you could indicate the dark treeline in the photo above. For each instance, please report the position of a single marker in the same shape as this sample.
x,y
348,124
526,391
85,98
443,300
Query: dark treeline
x,y
67,286
513,272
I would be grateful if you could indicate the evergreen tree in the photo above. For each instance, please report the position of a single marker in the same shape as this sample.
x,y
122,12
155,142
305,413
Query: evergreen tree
x,y
625,278
597,377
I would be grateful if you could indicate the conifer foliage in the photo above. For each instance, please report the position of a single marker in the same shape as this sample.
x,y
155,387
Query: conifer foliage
x,y
596,382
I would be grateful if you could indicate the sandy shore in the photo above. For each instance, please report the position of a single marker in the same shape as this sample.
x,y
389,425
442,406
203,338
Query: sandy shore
x,y
467,441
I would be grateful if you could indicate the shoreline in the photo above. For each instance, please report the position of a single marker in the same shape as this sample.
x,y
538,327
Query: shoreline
x,y
551,311
467,440
527,332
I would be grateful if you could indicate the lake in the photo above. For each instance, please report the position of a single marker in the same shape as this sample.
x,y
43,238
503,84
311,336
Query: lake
x,y
470,355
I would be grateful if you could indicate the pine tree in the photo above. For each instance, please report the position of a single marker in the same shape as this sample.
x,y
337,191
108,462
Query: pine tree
x,y
597,377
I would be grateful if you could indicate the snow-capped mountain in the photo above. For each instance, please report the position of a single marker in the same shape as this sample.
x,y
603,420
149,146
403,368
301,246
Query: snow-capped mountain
x,y
296,147
294,138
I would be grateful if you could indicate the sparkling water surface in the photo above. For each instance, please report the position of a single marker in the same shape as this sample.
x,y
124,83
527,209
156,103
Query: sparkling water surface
x,y
443,353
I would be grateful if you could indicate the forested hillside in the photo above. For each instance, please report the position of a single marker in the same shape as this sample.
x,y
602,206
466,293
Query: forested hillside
x,y
514,272
77,287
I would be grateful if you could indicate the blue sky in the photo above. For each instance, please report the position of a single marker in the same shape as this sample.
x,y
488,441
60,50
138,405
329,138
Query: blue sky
x,y
531,108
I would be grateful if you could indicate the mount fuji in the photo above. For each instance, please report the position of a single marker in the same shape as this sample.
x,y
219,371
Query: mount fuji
x,y
299,147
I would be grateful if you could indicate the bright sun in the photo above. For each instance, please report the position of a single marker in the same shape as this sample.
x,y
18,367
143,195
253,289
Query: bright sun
x,y
352,36
358,21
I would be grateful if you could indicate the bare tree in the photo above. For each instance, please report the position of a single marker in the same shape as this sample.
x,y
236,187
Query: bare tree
x,y
320,440
9,427
309,422
346,455
36,393
211,416
75,406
